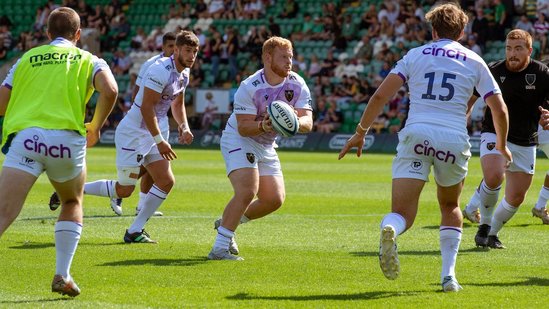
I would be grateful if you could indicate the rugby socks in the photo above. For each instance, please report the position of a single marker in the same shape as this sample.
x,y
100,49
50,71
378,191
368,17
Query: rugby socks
x,y
67,235
542,198
223,239
142,196
450,238
474,203
101,187
396,221
151,203
488,198
504,212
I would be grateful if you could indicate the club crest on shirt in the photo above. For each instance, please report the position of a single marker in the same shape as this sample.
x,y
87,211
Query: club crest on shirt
x,y
266,97
490,146
250,157
502,79
289,94
530,80
139,158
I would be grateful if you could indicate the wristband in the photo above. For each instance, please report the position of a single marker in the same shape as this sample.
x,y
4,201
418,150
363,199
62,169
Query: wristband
x,y
158,139
361,128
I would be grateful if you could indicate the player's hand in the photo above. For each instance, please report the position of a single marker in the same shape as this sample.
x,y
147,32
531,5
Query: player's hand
x,y
506,153
92,135
186,137
166,151
357,140
544,118
267,124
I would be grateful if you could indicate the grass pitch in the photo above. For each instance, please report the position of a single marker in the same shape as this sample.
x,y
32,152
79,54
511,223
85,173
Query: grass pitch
x,y
319,250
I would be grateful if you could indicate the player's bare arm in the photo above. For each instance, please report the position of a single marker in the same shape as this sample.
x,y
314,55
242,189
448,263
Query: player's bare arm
x,y
180,115
5,94
248,126
544,118
386,91
470,104
150,99
105,84
305,117
501,123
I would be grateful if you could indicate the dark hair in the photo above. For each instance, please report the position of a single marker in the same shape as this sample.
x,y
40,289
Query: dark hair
x,y
63,22
186,37
168,36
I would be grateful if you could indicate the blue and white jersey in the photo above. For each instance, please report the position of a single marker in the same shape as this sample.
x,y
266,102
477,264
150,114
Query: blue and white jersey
x,y
441,76
162,77
144,67
255,93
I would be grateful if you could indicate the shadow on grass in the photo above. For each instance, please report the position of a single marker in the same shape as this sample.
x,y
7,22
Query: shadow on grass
x,y
529,281
43,300
33,245
54,217
158,262
376,253
357,296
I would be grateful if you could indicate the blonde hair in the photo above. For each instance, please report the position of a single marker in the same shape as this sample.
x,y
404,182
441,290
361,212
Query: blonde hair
x,y
274,42
448,20
518,34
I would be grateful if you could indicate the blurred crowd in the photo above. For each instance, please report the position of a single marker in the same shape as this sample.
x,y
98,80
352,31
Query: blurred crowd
x,y
362,44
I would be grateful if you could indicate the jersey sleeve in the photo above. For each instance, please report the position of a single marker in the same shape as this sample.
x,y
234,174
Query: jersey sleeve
x,y
141,74
304,101
156,77
486,85
401,68
243,102
8,81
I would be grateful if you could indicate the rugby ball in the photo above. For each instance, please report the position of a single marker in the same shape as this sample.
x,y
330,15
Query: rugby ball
x,y
283,118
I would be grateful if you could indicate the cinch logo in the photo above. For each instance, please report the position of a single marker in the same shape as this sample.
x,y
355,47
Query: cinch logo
x,y
60,151
284,116
441,52
54,56
429,151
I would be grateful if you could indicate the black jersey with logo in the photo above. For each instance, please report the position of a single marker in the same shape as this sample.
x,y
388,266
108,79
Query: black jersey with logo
x,y
523,93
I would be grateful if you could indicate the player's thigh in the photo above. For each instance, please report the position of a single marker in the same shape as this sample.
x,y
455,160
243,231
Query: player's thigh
x,y
160,172
71,190
271,189
448,196
405,196
245,182
15,184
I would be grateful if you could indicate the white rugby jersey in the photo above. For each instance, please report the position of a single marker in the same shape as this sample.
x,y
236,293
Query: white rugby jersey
x,y
441,76
144,67
162,77
254,94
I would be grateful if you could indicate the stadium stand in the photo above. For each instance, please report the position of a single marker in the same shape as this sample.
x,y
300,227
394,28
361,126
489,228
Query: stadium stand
x,y
343,48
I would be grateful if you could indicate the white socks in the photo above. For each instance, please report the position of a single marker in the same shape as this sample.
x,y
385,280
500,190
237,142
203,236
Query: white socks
x,y
450,238
474,202
151,203
503,213
542,198
396,221
101,187
489,198
141,201
223,239
67,235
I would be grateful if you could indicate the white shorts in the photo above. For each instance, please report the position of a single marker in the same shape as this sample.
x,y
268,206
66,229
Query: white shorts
x,y
242,152
543,136
60,153
136,146
524,157
421,147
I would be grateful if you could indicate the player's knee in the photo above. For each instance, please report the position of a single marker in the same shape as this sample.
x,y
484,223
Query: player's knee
x,y
245,195
124,191
494,181
166,183
515,199
276,201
